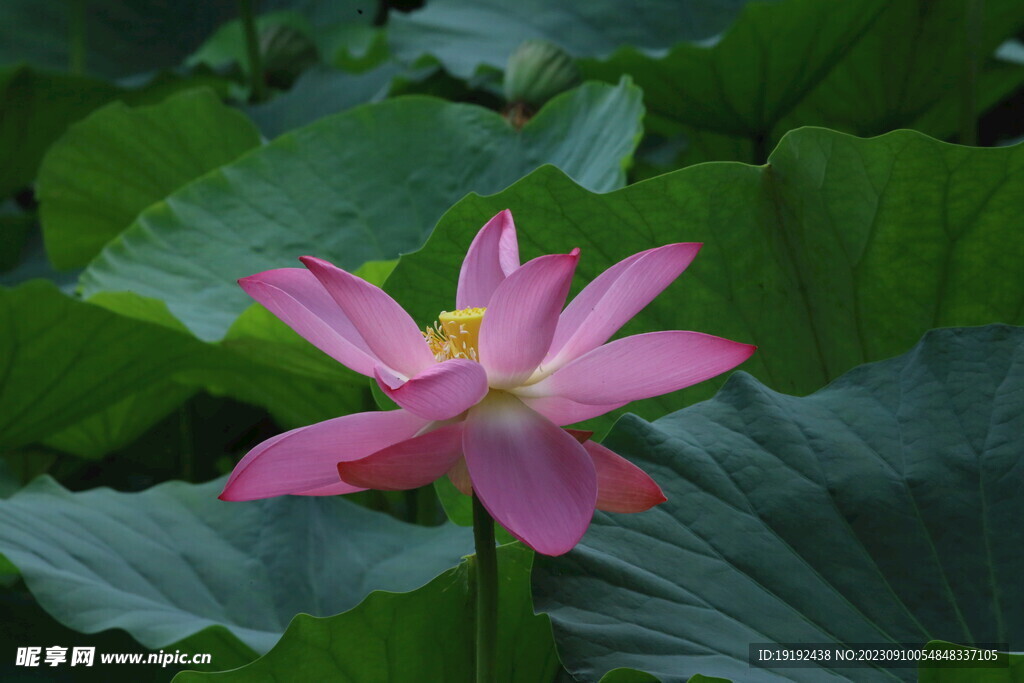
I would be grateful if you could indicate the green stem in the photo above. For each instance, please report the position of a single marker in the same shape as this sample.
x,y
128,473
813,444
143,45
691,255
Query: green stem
x,y
974,11
76,37
426,505
486,594
252,45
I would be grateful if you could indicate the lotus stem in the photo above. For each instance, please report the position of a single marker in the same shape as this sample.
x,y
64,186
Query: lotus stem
x,y
486,594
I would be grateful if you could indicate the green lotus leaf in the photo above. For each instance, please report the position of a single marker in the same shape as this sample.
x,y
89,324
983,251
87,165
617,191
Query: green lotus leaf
x,y
884,508
171,561
838,252
424,635
363,185
107,168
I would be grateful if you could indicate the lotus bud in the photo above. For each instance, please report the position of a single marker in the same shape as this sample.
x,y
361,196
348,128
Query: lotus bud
x,y
536,72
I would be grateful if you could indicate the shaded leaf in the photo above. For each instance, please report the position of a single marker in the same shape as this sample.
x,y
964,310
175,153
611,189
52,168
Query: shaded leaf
x,y
863,67
909,63
319,93
35,108
161,33
15,228
121,423
764,65
461,33
62,360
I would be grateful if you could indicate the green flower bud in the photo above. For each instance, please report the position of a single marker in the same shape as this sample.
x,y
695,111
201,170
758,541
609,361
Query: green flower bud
x,y
537,71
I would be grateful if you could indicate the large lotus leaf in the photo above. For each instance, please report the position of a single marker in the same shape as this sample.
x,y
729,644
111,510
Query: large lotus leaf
x,y
62,360
161,33
909,63
106,169
461,33
168,562
840,251
764,65
883,508
367,184
864,67
424,635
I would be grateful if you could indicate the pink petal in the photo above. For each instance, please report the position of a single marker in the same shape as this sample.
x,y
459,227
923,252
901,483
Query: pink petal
x,y
642,366
516,330
562,411
387,329
534,478
305,460
336,489
296,297
613,298
492,257
440,392
584,302
408,464
621,485
459,476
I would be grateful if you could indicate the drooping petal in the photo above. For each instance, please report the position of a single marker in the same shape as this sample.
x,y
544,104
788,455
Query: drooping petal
x,y
533,477
641,366
305,460
492,256
296,297
562,411
386,328
608,303
621,485
440,392
407,464
516,330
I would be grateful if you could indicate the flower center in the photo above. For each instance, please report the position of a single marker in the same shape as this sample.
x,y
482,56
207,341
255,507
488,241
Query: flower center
x,y
455,334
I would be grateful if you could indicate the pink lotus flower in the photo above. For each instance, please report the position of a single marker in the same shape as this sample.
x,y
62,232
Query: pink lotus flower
x,y
485,392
